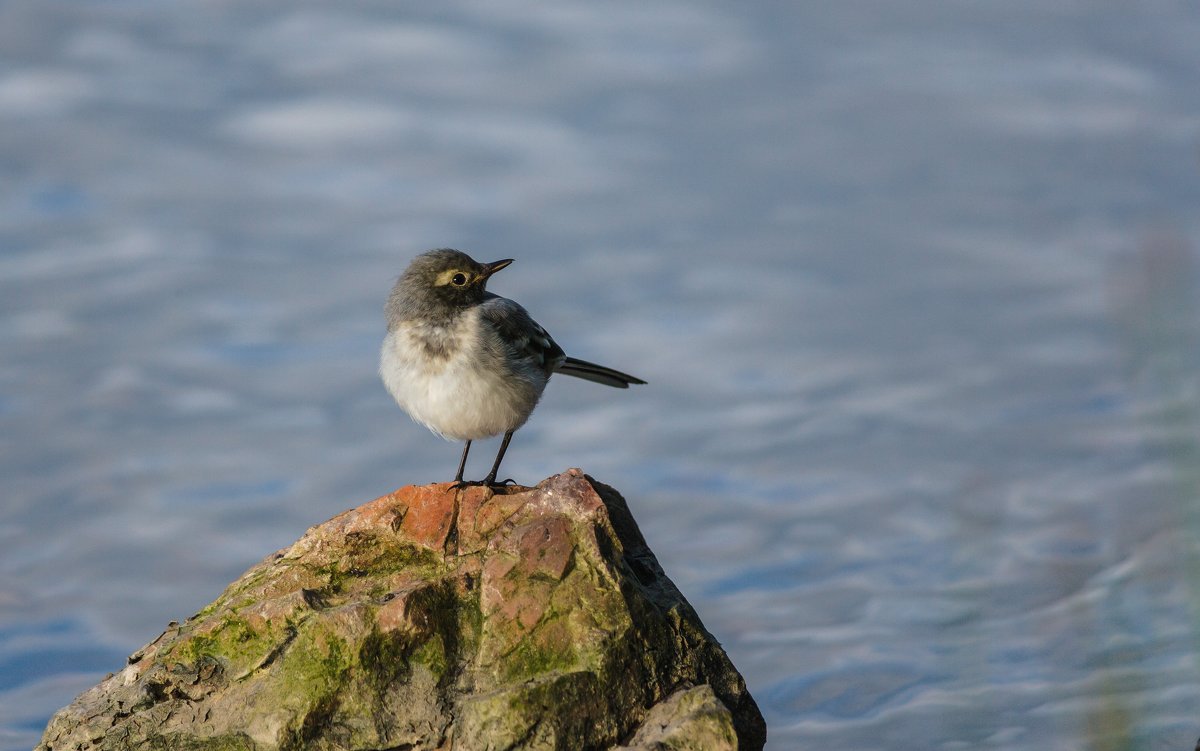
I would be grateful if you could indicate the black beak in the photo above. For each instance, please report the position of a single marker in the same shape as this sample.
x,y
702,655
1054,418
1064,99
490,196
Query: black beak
x,y
494,266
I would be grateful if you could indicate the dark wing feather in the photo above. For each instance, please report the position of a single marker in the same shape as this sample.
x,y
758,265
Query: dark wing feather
x,y
526,338
520,333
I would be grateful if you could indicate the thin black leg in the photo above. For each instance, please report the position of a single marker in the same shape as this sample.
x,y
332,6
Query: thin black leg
x,y
491,478
462,464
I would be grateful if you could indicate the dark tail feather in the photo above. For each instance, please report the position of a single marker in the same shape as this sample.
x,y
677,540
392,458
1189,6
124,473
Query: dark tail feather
x,y
590,371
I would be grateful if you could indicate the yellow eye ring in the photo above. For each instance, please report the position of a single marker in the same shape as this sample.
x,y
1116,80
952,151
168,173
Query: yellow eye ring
x,y
458,279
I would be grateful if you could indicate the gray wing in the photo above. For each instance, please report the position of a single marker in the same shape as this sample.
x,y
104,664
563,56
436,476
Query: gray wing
x,y
525,338
520,334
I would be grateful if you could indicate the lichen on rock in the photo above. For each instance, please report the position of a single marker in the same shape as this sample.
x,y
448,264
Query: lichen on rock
x,y
435,618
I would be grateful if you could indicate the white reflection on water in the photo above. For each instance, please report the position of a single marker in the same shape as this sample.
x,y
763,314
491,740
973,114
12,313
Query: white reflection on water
x,y
912,286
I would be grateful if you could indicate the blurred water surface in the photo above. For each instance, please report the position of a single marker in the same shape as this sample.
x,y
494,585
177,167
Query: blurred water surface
x,y
913,285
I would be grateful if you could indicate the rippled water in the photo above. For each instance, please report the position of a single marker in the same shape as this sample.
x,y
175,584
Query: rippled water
x,y
913,285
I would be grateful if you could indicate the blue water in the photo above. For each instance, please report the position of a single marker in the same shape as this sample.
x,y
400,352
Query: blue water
x,y
914,286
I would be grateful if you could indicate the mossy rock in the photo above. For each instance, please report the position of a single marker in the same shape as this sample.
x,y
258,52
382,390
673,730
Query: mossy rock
x,y
435,618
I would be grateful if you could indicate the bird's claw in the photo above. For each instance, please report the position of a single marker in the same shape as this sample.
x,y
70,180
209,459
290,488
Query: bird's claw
x,y
490,482
487,483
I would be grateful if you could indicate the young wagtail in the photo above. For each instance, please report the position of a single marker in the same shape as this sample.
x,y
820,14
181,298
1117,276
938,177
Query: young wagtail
x,y
466,363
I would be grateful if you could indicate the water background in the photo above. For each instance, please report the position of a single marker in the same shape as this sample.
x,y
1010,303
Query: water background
x,y
913,284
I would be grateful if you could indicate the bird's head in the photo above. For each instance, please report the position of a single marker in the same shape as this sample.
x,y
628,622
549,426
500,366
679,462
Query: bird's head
x,y
439,282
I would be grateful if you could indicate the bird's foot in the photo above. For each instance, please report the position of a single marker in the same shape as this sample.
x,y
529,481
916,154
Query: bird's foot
x,y
490,481
487,482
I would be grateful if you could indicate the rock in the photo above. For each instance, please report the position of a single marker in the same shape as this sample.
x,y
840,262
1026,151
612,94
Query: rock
x,y
531,618
691,719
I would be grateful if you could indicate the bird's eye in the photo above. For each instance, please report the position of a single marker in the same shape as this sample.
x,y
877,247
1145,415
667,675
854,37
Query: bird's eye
x,y
458,280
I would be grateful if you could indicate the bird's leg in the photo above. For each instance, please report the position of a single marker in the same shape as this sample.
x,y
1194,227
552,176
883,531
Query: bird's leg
x,y
491,478
462,464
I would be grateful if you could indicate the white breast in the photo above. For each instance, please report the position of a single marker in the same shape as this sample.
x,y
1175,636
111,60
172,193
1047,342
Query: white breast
x,y
467,394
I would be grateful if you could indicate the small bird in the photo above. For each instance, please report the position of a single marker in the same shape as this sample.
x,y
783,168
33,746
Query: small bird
x,y
466,363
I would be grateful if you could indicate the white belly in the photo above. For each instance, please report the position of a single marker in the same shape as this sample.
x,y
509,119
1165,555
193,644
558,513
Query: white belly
x,y
460,397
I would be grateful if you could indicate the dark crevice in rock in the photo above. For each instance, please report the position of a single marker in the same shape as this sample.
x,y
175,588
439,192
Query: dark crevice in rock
x,y
290,635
